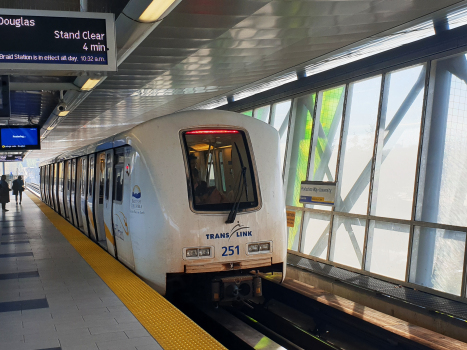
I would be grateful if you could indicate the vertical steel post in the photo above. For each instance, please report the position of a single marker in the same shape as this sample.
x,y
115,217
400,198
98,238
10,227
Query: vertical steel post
x,y
426,97
433,173
83,5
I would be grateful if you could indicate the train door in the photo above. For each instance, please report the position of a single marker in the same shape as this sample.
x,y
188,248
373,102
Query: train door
x,y
77,201
83,180
41,181
90,198
108,185
55,193
67,189
51,186
73,193
99,199
61,175
121,206
46,184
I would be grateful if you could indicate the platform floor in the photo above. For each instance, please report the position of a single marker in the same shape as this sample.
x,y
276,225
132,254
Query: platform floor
x,y
50,298
59,290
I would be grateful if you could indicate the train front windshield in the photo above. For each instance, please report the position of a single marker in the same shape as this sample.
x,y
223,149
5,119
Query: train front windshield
x,y
221,170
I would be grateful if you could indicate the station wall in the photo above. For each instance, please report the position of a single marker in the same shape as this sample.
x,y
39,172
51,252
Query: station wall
x,y
396,144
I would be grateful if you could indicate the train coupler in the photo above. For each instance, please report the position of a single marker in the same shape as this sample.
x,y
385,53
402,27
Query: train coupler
x,y
235,288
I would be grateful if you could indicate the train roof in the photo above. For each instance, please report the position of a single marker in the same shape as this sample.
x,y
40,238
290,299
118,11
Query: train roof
x,y
122,138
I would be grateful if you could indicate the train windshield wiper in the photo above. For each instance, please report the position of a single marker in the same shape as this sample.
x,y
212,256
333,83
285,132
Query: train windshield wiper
x,y
242,184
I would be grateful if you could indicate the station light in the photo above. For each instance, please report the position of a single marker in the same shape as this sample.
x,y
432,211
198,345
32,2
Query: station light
x,y
211,131
90,84
63,113
155,10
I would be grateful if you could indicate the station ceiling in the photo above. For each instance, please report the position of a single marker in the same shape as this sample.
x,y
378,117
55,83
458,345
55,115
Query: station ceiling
x,y
209,48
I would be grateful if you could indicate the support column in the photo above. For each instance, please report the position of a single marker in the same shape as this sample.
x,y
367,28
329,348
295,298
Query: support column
x,y
433,173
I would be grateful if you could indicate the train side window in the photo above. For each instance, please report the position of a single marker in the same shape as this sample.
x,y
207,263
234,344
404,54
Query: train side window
x,y
73,175
69,176
60,177
83,177
107,177
119,164
102,178
91,175
118,186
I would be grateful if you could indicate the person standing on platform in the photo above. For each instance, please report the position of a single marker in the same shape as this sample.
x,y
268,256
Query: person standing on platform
x,y
18,188
4,193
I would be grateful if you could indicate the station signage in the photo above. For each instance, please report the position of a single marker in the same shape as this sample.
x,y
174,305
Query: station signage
x,y
11,158
317,192
55,40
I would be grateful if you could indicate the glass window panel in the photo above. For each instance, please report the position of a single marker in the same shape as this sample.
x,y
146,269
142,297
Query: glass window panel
x,y
293,235
438,259
327,134
348,235
326,137
442,197
262,113
280,120
300,152
357,146
387,249
248,113
396,160
316,234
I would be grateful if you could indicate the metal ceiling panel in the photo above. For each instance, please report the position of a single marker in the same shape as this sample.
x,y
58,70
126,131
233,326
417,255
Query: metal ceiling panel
x,y
209,48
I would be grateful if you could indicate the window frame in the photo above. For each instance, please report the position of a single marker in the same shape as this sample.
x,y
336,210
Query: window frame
x,y
118,166
251,160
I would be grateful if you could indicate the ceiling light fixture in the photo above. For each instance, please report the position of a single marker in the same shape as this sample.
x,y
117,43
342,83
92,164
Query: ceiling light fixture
x,y
155,10
63,113
90,84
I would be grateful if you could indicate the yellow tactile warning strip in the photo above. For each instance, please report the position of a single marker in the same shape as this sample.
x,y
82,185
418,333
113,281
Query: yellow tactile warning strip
x,y
168,325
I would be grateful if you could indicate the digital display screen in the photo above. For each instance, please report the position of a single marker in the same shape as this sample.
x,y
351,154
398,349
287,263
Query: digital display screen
x,y
19,138
46,40
4,96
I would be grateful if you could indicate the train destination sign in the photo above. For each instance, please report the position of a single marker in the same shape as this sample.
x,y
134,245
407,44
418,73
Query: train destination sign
x,y
54,40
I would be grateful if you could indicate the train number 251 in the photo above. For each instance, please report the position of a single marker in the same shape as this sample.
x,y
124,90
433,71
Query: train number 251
x,y
230,250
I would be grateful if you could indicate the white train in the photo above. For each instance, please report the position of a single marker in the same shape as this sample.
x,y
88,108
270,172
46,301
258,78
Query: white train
x,y
189,197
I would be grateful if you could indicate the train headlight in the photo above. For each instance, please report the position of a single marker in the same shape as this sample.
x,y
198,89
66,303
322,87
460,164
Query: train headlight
x,y
198,253
192,253
204,252
259,248
253,248
264,246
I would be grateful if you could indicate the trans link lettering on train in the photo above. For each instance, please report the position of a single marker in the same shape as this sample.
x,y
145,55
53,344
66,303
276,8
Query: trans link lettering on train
x,y
228,235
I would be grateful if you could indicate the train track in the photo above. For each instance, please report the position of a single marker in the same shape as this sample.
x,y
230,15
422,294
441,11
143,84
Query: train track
x,y
289,320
